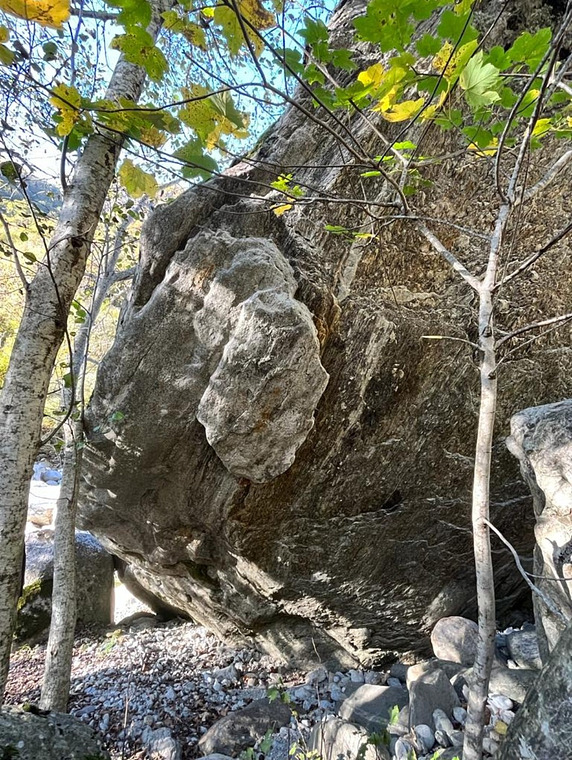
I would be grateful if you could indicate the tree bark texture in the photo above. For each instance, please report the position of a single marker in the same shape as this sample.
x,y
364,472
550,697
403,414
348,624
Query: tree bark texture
x,y
40,335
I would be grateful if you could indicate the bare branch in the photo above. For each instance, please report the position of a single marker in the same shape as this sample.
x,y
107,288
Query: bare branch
x,y
449,257
547,601
549,177
535,256
19,269
451,337
533,326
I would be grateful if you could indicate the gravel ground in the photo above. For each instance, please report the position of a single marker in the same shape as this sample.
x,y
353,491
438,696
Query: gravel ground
x,y
166,675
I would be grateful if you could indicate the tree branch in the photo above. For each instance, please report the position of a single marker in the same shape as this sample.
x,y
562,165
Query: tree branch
x,y
547,601
533,326
449,257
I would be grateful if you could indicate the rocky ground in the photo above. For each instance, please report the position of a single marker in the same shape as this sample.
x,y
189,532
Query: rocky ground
x,y
146,681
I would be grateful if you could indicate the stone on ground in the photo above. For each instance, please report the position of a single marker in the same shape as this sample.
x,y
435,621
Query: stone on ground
x,y
512,683
53,736
337,738
161,745
455,638
428,693
242,728
371,706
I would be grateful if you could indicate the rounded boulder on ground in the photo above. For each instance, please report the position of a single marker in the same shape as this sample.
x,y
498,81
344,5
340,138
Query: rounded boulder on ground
x,y
455,638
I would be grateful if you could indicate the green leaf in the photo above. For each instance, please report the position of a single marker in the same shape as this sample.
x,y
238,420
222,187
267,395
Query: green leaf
x,y
373,173
10,170
133,13
23,237
117,417
498,57
199,164
136,181
6,55
428,45
138,47
342,59
314,32
480,81
529,48
50,50
456,28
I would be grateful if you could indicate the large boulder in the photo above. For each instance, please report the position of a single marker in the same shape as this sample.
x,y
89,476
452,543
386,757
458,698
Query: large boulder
x,y
94,587
542,728
326,518
541,439
35,735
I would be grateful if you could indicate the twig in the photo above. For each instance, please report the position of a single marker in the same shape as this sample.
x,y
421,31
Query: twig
x,y
533,326
19,269
451,337
535,256
547,601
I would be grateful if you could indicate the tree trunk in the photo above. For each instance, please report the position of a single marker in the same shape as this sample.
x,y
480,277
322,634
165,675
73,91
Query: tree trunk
x,y
40,335
478,693
57,671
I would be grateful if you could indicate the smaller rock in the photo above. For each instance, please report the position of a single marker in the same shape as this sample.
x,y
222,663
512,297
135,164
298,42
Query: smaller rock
x,y
511,683
395,682
160,744
490,746
457,738
442,722
455,638
404,750
498,702
334,738
416,671
242,728
430,692
523,649
399,670
442,738
425,737
460,715
317,676
356,676
371,706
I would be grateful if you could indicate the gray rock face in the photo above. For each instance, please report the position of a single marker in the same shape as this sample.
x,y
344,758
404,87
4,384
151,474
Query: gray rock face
x,y
542,728
242,728
541,439
337,739
370,706
523,649
50,737
94,583
455,639
353,535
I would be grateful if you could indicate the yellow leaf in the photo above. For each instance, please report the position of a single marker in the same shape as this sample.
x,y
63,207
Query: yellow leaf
x,y
541,127
490,150
153,137
407,109
372,76
4,34
251,11
501,727
431,110
279,210
67,100
450,63
44,12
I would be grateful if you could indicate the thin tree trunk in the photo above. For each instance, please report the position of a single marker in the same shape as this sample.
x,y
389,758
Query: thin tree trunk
x,y
478,692
40,335
57,670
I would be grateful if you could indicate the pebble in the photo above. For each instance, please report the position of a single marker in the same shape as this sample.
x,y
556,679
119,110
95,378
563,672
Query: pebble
x,y
460,715
424,736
